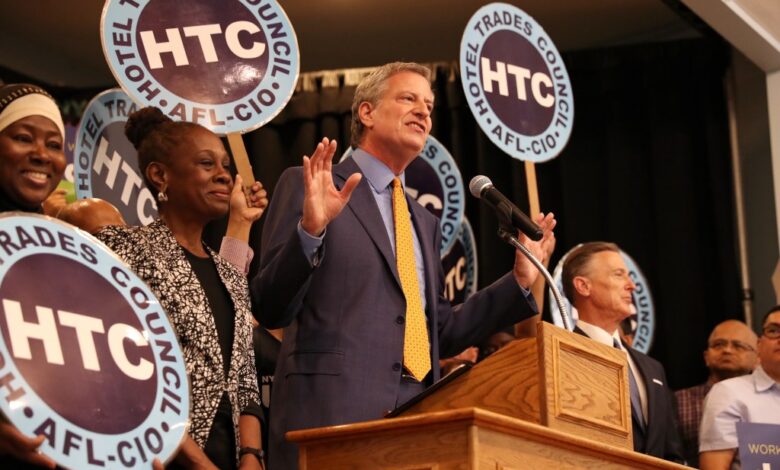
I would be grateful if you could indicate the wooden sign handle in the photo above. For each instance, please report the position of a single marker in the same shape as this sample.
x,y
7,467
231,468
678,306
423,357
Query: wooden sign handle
x,y
533,190
527,328
241,158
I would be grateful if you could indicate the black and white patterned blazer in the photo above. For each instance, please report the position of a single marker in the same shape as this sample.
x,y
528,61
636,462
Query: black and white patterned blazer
x,y
155,255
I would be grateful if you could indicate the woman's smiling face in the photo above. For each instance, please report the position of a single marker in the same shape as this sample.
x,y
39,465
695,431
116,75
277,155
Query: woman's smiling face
x,y
32,160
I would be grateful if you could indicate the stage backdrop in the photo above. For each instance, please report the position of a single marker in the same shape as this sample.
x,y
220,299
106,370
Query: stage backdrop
x,y
647,167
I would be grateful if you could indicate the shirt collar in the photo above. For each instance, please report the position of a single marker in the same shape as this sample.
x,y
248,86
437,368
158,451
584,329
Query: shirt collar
x,y
378,174
762,381
598,334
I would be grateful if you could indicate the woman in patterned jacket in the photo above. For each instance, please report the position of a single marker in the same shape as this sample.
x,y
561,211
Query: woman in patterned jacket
x,y
206,297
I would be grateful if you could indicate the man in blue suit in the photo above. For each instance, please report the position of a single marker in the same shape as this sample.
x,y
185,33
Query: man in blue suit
x,y
596,281
350,268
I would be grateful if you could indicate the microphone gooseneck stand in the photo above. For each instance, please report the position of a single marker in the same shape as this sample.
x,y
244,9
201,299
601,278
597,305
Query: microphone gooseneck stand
x,y
507,234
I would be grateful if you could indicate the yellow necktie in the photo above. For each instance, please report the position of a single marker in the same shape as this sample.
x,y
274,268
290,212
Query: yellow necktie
x,y
417,356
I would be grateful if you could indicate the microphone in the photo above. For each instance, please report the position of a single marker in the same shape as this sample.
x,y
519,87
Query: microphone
x,y
482,188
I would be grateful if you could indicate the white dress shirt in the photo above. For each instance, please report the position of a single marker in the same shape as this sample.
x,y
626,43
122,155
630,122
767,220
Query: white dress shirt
x,y
604,337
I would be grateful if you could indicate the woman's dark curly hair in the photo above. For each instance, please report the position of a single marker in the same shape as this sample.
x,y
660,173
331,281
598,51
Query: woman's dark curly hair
x,y
154,135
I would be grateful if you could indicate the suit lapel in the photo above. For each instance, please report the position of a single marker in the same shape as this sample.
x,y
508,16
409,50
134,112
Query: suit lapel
x,y
579,331
363,205
227,276
649,395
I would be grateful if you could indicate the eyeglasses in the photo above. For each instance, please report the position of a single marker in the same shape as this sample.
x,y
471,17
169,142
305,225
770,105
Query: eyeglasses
x,y
772,331
720,344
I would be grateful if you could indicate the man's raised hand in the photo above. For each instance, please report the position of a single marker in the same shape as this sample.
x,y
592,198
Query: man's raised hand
x,y
322,202
525,272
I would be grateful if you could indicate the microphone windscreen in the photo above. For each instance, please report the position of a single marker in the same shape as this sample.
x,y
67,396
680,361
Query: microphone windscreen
x,y
478,184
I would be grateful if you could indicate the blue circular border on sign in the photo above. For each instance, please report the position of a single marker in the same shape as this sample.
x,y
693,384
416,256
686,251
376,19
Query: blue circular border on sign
x,y
221,118
93,121
645,308
454,205
643,300
17,411
466,238
549,143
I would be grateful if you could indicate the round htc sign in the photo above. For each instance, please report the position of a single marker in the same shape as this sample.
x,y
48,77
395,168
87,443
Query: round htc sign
x,y
516,83
88,359
107,163
433,180
639,327
460,266
230,65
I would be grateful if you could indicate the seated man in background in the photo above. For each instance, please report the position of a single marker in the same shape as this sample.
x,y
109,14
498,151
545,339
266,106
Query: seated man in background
x,y
753,398
731,352
596,281
496,341
468,356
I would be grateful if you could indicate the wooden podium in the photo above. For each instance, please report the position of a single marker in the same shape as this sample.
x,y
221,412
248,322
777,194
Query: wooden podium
x,y
557,401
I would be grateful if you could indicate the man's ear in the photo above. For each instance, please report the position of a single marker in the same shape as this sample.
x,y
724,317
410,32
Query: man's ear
x,y
157,173
582,285
366,114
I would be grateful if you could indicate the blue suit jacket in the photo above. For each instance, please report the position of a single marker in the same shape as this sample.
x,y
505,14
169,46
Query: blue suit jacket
x,y
341,356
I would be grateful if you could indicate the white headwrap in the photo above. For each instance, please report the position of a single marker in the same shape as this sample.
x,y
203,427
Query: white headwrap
x,y
25,101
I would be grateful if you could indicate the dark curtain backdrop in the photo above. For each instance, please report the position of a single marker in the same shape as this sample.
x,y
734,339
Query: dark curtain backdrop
x,y
647,167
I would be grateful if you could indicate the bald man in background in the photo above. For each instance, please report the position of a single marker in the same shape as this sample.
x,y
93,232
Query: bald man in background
x,y
753,398
91,214
731,352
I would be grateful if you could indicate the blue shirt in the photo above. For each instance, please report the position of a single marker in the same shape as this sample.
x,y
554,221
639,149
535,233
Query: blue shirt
x,y
380,179
753,398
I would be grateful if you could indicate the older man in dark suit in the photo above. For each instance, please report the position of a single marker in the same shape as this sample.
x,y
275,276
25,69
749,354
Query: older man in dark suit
x,y
350,267
596,281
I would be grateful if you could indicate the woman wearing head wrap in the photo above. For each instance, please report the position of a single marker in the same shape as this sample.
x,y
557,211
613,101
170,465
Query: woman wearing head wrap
x,y
205,296
32,163
32,160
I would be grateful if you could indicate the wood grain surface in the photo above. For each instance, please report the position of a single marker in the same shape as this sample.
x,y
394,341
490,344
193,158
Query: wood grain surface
x,y
468,438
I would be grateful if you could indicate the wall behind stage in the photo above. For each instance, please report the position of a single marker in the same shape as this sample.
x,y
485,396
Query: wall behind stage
x,y
755,154
647,167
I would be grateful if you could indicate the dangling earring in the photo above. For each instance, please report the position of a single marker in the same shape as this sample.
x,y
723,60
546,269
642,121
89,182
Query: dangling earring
x,y
161,196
